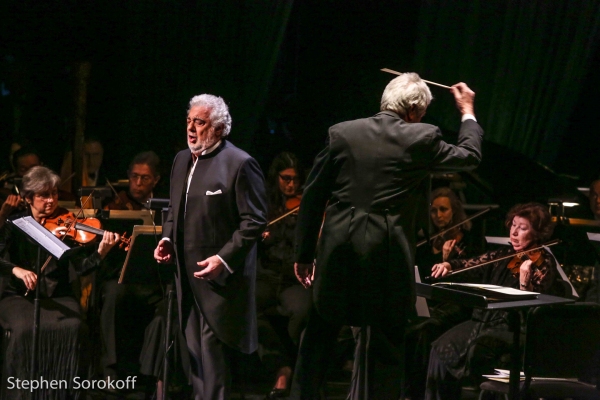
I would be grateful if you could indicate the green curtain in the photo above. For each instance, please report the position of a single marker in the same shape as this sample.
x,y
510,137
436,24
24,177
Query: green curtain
x,y
526,61
155,55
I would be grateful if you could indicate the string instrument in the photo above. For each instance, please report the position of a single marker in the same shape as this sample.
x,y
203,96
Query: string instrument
x,y
534,254
292,204
536,257
66,224
450,229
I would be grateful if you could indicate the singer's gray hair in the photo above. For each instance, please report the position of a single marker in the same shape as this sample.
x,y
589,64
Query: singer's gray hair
x,y
404,91
219,112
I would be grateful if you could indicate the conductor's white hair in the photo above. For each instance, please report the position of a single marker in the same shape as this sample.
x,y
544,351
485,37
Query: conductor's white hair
x,y
404,91
219,112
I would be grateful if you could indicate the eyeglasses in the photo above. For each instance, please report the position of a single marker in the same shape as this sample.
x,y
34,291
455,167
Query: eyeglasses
x,y
198,122
145,178
287,178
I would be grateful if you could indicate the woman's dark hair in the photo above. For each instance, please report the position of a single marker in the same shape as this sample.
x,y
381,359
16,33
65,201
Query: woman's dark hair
x,y
538,216
458,212
282,161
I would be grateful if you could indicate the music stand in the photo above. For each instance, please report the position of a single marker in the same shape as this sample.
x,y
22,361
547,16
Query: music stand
x,y
141,267
57,248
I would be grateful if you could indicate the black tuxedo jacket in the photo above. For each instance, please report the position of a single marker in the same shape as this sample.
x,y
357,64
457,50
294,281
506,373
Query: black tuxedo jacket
x,y
370,183
225,215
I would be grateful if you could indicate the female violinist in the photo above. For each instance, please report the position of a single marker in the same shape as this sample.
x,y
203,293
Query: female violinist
x,y
276,286
63,335
477,346
445,211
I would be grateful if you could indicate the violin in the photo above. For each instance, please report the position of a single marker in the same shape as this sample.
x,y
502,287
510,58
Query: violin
x,y
292,206
293,203
536,257
66,224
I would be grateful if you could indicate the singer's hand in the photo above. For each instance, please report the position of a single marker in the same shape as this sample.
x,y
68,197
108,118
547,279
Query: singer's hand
x,y
29,278
304,273
441,269
163,253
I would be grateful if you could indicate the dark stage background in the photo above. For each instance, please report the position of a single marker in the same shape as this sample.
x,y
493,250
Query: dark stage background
x,y
290,69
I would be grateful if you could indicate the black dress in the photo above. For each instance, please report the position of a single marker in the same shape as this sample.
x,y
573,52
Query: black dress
x,y
64,343
421,332
278,292
477,346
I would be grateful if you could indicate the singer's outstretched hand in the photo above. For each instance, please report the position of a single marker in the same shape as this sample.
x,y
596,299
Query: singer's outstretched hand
x,y
163,253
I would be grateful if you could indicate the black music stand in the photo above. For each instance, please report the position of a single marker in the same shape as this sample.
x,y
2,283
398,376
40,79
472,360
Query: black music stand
x,y
141,267
512,307
57,248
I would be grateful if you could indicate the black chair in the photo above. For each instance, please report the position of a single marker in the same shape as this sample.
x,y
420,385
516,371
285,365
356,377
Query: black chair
x,y
561,342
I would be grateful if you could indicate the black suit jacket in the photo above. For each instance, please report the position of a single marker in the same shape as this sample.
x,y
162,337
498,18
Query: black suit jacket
x,y
225,215
370,182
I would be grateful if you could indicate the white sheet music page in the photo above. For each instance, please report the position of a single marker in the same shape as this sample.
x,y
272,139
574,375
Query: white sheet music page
x,y
41,235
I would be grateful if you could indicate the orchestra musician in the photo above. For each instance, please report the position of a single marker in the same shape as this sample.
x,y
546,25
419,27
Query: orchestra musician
x,y
277,288
127,306
217,213
477,346
445,211
143,176
63,335
369,182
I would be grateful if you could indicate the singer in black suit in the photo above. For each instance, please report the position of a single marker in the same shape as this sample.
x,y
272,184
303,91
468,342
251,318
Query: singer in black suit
x,y
370,182
217,213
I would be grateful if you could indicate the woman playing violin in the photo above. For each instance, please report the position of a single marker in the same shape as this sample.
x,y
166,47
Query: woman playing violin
x,y
63,335
476,347
445,211
277,287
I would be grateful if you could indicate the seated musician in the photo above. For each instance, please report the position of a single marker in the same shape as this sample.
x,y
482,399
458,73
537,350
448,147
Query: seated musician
x,y
477,346
446,211
277,287
128,308
143,176
63,335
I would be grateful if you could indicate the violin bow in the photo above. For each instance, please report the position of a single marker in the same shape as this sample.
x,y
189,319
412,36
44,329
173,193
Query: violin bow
x,y
293,210
422,242
519,254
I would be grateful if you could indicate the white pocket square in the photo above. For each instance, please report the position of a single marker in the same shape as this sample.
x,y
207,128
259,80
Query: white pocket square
x,y
209,193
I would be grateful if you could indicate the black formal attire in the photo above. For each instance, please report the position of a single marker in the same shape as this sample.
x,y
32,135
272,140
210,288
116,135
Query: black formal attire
x,y
64,343
127,309
369,181
223,213
477,346
278,292
421,332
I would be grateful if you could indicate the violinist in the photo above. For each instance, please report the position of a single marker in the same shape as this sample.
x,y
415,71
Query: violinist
x,y
445,210
63,335
476,347
129,308
276,287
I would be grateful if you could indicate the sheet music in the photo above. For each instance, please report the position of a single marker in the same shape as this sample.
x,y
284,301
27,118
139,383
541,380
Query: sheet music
x,y
594,237
41,235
